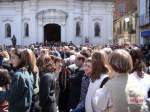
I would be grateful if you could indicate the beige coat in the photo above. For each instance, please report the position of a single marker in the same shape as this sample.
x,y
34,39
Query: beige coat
x,y
120,94
126,94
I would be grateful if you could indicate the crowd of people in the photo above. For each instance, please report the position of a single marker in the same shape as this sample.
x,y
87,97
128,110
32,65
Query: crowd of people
x,y
63,77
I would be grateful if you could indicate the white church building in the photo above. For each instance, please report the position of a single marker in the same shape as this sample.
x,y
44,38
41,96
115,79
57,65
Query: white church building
x,y
78,21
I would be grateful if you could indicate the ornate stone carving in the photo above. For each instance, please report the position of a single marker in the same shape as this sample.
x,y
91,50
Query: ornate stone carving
x,y
78,18
26,19
52,16
97,19
7,19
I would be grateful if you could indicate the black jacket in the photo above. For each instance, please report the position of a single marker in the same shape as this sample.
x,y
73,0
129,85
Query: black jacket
x,y
64,89
75,85
47,92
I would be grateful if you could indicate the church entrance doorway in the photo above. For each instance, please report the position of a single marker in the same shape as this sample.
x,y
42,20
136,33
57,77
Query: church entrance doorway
x,y
52,32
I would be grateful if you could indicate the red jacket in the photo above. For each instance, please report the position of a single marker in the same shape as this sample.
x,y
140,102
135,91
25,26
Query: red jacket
x,y
4,106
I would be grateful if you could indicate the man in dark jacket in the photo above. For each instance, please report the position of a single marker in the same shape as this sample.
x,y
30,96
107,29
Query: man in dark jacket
x,y
75,79
65,53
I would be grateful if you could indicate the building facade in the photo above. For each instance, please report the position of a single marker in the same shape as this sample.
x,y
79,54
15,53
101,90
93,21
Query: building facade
x,y
144,21
123,7
125,29
125,21
56,20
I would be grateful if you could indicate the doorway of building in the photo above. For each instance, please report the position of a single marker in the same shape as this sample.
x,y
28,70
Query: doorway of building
x,y
52,32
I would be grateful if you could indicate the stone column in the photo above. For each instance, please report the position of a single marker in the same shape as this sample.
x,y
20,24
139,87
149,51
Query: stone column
x,y
70,21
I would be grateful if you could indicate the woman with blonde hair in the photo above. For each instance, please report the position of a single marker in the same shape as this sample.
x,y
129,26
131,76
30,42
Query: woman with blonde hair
x,y
6,56
100,69
35,71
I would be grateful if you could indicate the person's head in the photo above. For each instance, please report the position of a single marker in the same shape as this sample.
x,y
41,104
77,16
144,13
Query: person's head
x,y
99,64
88,67
66,49
108,51
5,54
4,78
136,54
24,58
30,60
44,51
15,59
121,61
58,63
138,61
46,64
85,53
79,60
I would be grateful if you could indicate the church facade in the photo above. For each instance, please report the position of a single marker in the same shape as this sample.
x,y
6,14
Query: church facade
x,y
79,21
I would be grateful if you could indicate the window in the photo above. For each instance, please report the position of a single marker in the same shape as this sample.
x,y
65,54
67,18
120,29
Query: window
x,y
147,9
78,29
7,30
26,30
97,29
121,7
120,27
124,25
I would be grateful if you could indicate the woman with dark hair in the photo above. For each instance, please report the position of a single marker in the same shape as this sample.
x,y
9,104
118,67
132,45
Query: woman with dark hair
x,y
20,92
47,83
139,70
99,73
138,60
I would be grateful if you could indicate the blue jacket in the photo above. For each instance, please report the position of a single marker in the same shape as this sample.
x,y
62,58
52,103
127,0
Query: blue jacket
x,y
84,88
20,93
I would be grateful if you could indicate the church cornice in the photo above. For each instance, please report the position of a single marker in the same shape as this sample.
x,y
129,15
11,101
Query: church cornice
x,y
13,0
74,0
98,0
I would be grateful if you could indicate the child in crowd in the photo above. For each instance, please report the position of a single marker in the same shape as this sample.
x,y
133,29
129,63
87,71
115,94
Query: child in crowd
x,y
4,83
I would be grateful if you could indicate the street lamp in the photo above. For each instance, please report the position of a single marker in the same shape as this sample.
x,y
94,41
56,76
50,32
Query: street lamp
x,y
127,19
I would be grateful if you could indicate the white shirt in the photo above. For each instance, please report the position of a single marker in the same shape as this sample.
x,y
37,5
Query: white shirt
x,y
144,82
93,86
103,100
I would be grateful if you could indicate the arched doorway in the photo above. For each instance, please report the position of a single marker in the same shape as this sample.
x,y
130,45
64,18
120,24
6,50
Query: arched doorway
x,y
52,32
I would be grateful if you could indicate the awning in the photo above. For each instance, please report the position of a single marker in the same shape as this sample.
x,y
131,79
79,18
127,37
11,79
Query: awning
x,y
145,33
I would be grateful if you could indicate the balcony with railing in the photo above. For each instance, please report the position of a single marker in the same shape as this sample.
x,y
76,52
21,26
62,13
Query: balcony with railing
x,y
145,19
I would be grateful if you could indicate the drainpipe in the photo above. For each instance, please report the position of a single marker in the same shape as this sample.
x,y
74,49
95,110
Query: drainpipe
x,y
138,24
21,22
